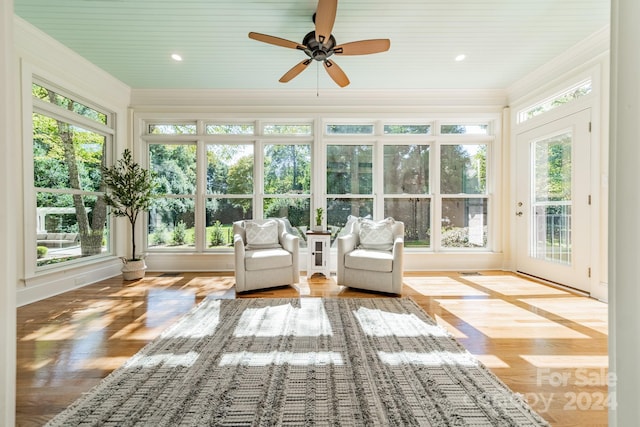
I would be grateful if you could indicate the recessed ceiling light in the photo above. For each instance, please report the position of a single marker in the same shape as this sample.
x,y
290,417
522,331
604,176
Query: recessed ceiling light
x,y
461,57
176,57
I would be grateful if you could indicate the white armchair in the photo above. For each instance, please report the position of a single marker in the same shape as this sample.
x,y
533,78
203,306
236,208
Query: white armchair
x,y
265,254
370,256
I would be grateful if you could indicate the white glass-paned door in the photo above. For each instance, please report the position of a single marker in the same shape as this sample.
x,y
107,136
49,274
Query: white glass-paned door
x,y
552,209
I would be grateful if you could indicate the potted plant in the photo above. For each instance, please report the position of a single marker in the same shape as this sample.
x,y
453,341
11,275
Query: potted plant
x,y
130,192
319,214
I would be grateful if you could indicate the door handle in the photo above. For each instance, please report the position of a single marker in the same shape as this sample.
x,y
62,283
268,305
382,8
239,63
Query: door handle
x,y
518,213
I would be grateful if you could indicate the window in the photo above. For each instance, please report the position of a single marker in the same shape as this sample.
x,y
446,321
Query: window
x,y
349,129
231,129
172,129
239,178
463,190
566,96
172,217
229,190
401,163
406,189
287,183
349,181
464,129
430,175
276,129
70,145
407,129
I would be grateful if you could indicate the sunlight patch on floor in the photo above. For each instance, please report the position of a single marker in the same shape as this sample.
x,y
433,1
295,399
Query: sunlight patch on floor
x,y
379,323
104,363
491,361
500,319
308,320
511,285
588,312
572,361
441,286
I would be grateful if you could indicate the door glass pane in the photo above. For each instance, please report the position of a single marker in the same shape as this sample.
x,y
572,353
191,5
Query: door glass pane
x,y
551,199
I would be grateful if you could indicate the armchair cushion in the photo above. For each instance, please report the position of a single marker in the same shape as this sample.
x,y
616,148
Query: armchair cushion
x,y
377,235
365,259
264,259
262,235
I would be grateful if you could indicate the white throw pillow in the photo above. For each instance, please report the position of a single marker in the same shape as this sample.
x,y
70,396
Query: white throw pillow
x,y
262,236
377,235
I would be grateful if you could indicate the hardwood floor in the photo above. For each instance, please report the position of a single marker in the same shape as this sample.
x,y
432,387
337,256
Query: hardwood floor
x,y
548,344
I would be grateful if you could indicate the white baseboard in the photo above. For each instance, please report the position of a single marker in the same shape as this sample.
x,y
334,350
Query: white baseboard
x,y
46,285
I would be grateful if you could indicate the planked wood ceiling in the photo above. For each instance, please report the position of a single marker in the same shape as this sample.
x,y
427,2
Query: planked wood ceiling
x,y
503,40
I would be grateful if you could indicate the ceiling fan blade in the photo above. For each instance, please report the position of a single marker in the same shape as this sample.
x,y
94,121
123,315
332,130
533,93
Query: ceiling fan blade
x,y
363,47
276,41
336,73
297,69
325,18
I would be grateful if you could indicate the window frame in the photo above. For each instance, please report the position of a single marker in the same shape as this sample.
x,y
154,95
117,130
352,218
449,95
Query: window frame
x,y
320,140
106,130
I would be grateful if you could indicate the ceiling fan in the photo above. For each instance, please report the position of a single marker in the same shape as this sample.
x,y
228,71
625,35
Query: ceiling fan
x,y
320,44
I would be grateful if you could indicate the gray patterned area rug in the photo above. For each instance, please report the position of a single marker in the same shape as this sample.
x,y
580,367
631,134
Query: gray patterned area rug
x,y
308,361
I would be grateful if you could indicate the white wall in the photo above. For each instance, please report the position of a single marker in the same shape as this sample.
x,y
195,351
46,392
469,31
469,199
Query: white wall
x,y
624,256
9,153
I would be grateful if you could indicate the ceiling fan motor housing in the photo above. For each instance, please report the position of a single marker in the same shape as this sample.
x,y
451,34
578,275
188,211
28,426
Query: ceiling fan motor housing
x,y
316,50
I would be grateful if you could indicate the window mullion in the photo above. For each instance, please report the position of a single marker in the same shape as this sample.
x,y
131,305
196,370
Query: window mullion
x,y
258,179
200,232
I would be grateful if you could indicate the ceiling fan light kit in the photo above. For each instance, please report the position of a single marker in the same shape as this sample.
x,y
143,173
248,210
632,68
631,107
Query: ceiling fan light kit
x,y
320,45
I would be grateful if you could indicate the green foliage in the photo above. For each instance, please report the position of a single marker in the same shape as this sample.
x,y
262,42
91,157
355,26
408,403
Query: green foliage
x,y
216,235
48,95
159,236
349,169
240,181
461,171
406,169
458,237
42,251
287,169
319,214
51,168
179,235
132,190
553,169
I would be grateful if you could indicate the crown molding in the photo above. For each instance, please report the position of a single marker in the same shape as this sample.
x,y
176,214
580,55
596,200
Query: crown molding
x,y
583,55
310,100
